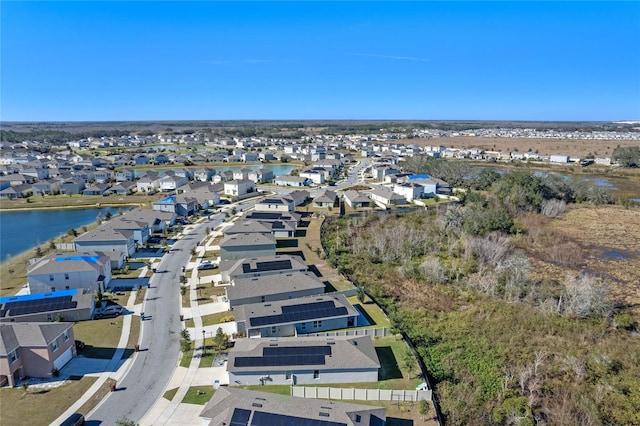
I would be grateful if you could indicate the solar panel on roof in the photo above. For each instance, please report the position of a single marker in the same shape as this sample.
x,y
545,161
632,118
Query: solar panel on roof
x,y
275,265
296,350
278,361
302,312
26,307
240,417
261,418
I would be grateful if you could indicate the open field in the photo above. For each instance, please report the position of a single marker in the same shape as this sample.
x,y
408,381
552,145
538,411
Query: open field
x,y
602,241
573,147
607,239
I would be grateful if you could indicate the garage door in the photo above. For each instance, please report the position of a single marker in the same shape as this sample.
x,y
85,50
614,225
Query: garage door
x,y
63,359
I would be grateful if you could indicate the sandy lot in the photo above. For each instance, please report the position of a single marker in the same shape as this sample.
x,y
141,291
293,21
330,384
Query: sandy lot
x,y
579,148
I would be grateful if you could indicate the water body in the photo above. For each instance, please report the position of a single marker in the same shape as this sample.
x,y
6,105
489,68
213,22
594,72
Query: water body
x,y
23,230
277,169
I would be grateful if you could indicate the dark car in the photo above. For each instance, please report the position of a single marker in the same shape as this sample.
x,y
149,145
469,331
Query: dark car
x,y
76,419
79,345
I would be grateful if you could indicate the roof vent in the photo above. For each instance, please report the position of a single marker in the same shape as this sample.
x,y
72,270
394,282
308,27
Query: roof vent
x,y
324,414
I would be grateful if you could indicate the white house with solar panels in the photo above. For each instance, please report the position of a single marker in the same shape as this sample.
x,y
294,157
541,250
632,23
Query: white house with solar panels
x,y
296,316
310,360
65,271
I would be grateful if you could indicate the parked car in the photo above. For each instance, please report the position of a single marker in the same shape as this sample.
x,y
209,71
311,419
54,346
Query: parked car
x,y
79,345
112,310
207,265
76,419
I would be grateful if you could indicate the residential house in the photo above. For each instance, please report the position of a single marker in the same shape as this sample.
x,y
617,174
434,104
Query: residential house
x,y
102,176
273,287
296,316
204,175
386,197
149,182
409,191
261,175
250,157
302,361
241,174
234,406
247,227
34,350
106,239
317,176
287,180
96,189
72,187
325,199
58,271
239,246
67,305
238,188
125,174
274,204
172,182
46,187
123,188
356,199
299,196
261,266
223,176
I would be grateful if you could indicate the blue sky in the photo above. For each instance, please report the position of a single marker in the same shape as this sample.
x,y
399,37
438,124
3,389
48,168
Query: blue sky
x,y
148,60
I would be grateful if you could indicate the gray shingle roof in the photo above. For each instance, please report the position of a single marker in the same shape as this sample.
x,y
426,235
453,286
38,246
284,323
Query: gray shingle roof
x,y
347,353
221,406
29,334
242,288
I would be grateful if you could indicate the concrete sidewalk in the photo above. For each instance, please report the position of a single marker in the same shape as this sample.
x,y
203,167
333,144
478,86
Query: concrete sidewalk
x,y
115,368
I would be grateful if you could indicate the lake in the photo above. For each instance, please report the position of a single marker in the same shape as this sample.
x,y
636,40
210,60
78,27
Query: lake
x,y
23,230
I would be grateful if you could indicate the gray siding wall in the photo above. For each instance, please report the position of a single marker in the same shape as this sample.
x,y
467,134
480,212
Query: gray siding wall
x,y
238,253
275,297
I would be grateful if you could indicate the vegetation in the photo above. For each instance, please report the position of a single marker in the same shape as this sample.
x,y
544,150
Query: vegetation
x,y
627,156
502,344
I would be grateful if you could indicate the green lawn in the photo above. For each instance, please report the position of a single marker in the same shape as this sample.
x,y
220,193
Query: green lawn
x,y
198,395
40,406
211,319
372,311
170,394
279,389
185,360
101,336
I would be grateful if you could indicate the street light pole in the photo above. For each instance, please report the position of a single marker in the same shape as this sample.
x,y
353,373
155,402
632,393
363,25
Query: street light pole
x,y
204,345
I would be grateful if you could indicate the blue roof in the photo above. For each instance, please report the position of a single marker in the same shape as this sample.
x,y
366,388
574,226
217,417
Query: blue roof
x,y
89,259
38,296
422,176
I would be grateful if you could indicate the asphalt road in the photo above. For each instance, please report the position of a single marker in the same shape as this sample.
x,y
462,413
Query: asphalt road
x,y
154,365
